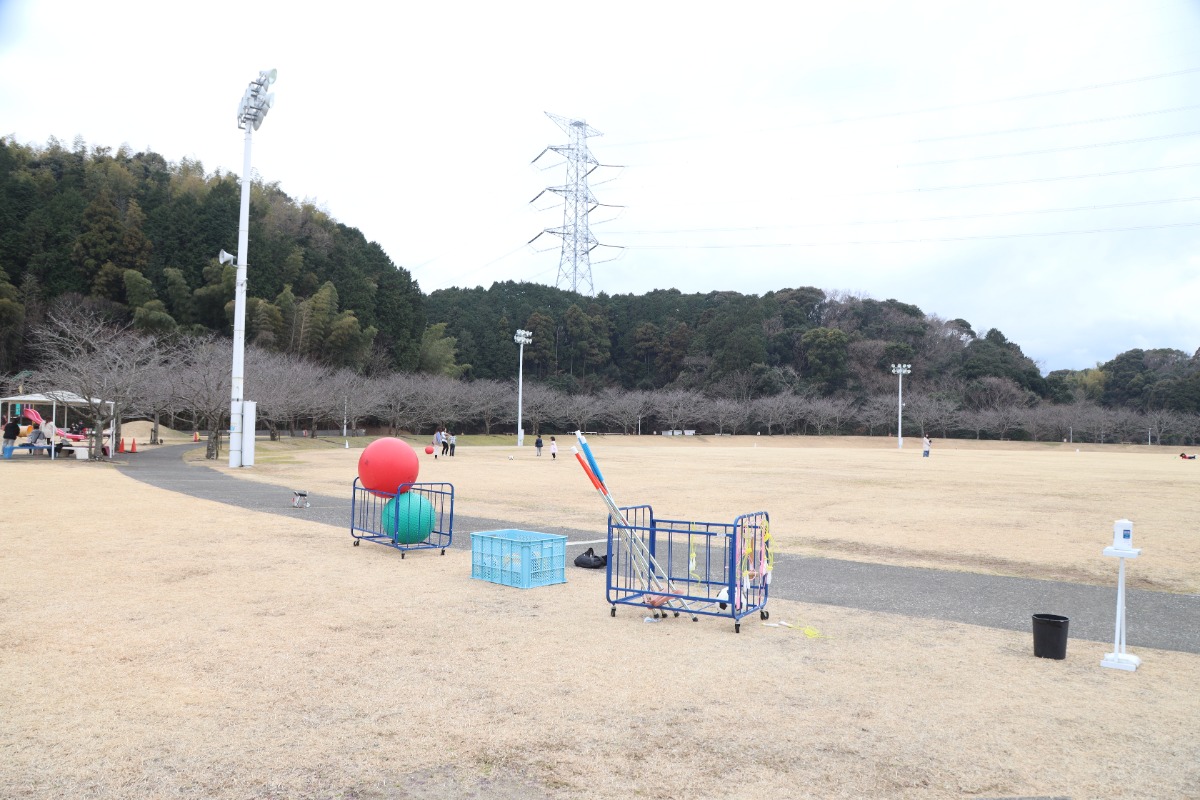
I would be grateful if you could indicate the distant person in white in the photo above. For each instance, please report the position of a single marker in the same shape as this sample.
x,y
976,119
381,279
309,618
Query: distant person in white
x,y
925,445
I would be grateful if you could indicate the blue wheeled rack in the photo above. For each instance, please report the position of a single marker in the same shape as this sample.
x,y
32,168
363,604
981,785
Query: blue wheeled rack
x,y
367,510
711,568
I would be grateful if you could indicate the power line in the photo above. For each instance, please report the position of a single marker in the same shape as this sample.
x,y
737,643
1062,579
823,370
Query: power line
x,y
944,218
768,245
1093,121
1050,150
912,112
981,185
1030,180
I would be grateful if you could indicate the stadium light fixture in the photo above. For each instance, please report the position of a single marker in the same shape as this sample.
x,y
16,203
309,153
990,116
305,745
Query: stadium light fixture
x,y
522,338
252,110
900,370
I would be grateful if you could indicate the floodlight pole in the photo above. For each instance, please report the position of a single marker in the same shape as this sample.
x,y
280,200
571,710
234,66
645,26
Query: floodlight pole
x,y
900,370
522,338
251,111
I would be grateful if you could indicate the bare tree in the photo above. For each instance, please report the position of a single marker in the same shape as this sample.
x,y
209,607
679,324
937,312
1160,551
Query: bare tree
x,y
347,396
287,389
440,401
995,393
777,411
726,413
1130,425
1006,419
539,404
577,410
200,385
1039,421
878,411
1164,423
977,421
107,365
158,396
487,401
1190,428
931,412
624,409
817,412
398,402
677,407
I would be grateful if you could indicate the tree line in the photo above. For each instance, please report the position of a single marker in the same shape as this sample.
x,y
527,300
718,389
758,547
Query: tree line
x,y
133,238
183,381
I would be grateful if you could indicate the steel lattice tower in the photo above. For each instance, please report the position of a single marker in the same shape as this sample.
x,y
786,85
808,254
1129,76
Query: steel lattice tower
x,y
575,263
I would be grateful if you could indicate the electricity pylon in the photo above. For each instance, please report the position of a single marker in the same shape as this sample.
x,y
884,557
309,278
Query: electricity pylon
x,y
575,263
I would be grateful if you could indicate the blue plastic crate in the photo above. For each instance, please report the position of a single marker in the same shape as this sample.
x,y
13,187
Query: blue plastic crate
x,y
523,559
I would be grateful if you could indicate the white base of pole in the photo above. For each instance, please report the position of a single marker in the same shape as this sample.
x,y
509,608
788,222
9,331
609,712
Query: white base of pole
x,y
1126,661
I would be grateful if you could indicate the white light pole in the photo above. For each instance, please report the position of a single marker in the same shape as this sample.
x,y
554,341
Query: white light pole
x,y
522,338
256,102
900,370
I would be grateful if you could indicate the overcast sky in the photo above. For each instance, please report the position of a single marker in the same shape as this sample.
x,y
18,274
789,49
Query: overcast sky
x,y
1026,166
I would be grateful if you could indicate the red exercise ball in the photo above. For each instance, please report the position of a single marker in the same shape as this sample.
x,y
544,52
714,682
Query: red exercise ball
x,y
428,449
386,464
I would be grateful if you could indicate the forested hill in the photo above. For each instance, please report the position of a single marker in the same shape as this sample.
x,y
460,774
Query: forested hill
x,y
140,237
137,237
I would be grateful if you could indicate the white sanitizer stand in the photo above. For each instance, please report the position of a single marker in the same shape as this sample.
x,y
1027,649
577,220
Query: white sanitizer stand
x,y
1122,548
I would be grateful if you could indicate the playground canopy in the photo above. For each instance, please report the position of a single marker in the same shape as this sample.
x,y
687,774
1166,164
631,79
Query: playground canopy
x,y
52,400
67,400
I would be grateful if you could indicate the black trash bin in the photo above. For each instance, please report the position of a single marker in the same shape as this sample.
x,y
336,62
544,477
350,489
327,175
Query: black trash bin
x,y
1050,636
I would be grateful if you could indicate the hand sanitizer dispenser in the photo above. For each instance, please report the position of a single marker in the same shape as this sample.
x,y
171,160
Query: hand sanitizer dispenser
x,y
1122,535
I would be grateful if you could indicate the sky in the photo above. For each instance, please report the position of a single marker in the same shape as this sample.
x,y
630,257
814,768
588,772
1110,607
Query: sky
x,y
1026,166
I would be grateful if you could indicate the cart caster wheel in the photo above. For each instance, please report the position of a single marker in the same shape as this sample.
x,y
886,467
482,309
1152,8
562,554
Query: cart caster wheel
x,y
613,611
356,542
737,627
677,613
764,615
443,551
306,505
402,556
695,619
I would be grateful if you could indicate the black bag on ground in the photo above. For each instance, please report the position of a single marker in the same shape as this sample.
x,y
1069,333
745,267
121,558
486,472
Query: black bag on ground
x,y
590,560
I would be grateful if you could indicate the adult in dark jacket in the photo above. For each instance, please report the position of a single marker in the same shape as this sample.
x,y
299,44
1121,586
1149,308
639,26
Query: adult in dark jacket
x,y
12,429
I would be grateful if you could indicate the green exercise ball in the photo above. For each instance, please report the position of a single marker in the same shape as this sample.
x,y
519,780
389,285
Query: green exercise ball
x,y
408,518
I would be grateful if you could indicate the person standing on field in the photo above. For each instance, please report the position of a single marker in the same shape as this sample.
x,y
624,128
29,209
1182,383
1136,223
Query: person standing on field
x,y
925,445
12,429
553,448
537,444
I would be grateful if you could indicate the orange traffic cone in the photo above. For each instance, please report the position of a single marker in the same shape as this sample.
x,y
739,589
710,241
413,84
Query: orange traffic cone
x,y
121,446
134,448
195,436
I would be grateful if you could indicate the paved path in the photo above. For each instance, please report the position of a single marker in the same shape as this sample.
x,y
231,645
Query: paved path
x,y
1154,619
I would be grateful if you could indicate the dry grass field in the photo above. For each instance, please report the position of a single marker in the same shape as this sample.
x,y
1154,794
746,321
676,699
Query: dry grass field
x,y
153,645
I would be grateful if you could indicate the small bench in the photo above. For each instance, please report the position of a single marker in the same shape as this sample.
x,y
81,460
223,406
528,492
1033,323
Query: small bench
x,y
32,448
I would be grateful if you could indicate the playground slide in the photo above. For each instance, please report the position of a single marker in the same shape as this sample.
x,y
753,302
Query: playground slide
x,y
33,416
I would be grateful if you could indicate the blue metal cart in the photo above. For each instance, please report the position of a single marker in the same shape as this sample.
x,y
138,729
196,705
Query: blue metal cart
x,y
368,510
711,568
